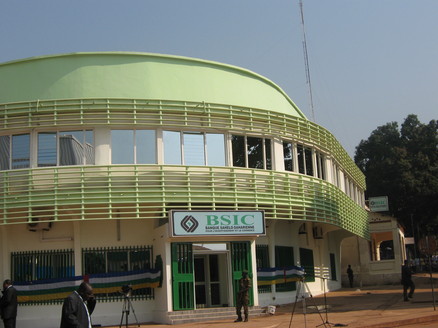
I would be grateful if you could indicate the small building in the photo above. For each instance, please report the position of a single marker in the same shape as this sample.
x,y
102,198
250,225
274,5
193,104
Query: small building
x,y
378,260
164,176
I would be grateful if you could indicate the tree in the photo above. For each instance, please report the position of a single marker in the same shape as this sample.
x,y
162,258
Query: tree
x,y
403,165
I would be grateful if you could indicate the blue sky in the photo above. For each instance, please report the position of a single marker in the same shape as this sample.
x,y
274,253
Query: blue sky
x,y
371,61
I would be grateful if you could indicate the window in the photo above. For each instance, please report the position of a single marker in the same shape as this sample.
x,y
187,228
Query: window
x,y
145,147
194,151
262,258
65,148
38,265
335,174
133,147
255,152
304,157
320,165
116,260
112,260
252,152
47,149
347,186
284,257
172,147
333,267
386,250
301,159
122,147
306,258
194,148
308,161
20,151
238,143
5,152
215,149
305,163
76,147
288,156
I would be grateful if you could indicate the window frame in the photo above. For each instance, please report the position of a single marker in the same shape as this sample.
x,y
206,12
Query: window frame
x,y
42,262
267,152
284,257
262,260
142,293
181,154
135,147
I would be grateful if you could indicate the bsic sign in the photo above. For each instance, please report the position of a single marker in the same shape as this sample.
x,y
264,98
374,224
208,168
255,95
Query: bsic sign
x,y
214,223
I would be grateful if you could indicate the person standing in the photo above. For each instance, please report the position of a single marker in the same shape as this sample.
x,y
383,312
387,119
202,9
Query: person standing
x,y
8,304
406,280
78,307
243,296
350,275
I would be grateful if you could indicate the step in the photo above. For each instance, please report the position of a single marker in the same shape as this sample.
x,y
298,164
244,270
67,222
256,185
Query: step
x,y
210,314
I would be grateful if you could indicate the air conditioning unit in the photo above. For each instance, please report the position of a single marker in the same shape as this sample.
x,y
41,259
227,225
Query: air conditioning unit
x,y
302,230
317,232
35,225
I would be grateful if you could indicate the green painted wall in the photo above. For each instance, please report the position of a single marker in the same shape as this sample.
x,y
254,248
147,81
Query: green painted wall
x,y
138,76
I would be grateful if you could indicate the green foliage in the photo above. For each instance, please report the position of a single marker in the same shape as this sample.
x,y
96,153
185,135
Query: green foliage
x,y
403,165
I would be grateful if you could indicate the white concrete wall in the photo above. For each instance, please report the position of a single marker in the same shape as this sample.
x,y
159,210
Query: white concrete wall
x,y
67,235
115,233
105,314
163,295
285,233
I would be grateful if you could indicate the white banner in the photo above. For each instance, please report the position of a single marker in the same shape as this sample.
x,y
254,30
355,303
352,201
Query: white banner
x,y
214,223
378,204
409,241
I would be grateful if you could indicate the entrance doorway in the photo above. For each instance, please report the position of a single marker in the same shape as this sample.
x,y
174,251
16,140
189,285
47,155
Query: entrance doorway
x,y
211,271
207,274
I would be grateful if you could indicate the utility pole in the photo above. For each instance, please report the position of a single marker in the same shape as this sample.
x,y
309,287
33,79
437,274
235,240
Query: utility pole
x,y
306,63
413,235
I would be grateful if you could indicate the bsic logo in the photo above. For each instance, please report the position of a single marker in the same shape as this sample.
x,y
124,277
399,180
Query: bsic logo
x,y
189,223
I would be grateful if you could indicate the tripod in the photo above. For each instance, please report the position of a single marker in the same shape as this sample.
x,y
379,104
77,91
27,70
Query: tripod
x,y
301,289
325,303
127,306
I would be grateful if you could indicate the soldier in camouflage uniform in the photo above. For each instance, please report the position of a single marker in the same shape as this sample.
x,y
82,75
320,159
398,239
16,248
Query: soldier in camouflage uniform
x,y
243,296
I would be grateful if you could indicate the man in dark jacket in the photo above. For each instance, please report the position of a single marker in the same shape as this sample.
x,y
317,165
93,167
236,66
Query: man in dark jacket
x,y
406,280
77,308
350,275
8,304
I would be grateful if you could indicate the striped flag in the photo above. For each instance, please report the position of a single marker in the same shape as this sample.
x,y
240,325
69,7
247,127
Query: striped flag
x,y
58,289
272,276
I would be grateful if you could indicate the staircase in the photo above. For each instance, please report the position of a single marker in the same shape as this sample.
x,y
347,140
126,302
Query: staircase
x,y
210,314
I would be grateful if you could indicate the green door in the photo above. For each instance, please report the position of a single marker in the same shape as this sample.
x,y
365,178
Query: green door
x,y
182,276
241,260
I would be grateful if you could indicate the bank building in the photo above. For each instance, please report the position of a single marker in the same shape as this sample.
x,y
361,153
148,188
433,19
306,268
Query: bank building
x,y
170,175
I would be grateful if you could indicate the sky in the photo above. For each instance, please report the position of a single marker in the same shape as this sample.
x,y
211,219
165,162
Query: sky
x,y
371,61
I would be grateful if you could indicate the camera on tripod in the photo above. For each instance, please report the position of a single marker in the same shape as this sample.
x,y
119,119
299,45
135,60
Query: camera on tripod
x,y
126,290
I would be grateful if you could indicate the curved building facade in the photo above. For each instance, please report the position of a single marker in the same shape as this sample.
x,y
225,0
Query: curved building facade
x,y
168,174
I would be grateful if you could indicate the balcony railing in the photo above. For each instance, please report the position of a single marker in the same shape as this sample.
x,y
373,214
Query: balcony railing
x,y
149,191
152,113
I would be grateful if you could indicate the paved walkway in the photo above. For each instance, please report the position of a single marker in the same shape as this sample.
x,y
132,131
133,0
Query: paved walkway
x,y
371,307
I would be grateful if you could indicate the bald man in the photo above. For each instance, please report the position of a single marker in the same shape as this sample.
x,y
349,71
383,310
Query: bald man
x,y
77,308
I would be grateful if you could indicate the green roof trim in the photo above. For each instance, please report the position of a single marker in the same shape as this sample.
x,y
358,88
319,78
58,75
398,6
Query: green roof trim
x,y
139,76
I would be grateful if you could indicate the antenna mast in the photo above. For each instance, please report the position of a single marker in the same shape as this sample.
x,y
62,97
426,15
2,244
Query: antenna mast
x,y
306,63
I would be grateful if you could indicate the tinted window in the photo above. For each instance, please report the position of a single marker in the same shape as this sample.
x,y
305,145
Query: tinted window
x,y
20,151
